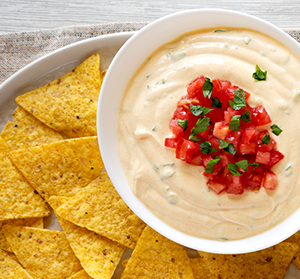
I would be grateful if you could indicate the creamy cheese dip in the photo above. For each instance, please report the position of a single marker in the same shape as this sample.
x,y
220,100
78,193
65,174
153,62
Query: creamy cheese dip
x,y
176,191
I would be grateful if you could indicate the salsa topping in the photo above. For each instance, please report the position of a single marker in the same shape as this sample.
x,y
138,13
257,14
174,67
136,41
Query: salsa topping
x,y
214,127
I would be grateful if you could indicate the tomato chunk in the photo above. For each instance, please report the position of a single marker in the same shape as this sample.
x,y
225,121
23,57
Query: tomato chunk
x,y
260,116
270,181
221,130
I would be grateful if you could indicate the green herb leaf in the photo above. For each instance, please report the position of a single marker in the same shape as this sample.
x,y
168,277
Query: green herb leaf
x,y
230,149
207,88
234,124
201,126
276,130
206,148
266,139
243,164
239,99
223,143
259,75
256,165
198,110
210,167
233,168
216,103
246,116
194,138
182,123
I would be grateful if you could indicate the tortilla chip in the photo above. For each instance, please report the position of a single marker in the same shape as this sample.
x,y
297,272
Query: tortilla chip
x,y
68,104
61,168
98,255
11,269
43,253
99,208
272,262
27,131
30,222
157,257
80,275
200,270
295,238
18,198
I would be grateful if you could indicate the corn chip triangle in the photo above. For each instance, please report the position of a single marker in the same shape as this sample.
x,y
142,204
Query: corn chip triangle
x,y
68,104
43,253
157,257
98,255
11,269
18,198
99,208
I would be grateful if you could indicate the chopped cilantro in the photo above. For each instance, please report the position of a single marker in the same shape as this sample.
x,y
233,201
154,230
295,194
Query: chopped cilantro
x,y
182,123
206,148
210,167
276,130
230,149
223,144
216,103
246,116
239,99
201,126
207,88
234,124
233,168
194,138
243,164
259,75
266,139
256,165
198,110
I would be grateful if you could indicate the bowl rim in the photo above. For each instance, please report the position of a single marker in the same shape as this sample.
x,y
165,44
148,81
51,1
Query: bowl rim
x,y
213,246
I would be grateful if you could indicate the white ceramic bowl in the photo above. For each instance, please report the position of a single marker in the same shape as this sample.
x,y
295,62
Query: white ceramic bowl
x,y
123,67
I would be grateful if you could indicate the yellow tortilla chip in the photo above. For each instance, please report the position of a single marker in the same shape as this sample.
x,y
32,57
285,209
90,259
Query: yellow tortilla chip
x,y
99,208
68,104
200,270
98,255
157,257
80,275
43,253
30,222
61,168
272,262
27,131
295,238
11,269
18,198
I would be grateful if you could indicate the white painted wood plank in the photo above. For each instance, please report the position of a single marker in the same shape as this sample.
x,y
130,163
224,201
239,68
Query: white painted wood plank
x,y
25,15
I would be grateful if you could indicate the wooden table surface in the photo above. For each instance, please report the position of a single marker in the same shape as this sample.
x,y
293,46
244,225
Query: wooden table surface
x,y
26,15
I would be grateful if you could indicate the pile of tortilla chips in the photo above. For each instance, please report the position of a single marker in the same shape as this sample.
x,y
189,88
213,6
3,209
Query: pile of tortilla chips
x,y
50,159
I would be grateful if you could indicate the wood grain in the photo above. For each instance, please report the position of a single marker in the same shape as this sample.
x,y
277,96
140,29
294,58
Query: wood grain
x,y
25,15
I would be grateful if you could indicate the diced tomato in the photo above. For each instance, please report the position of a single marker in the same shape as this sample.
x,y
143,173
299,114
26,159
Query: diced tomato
x,y
216,185
234,184
215,115
197,160
260,116
265,147
213,141
249,135
176,129
247,148
234,138
253,181
276,157
171,142
270,181
221,130
229,113
188,150
194,91
263,157
181,113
